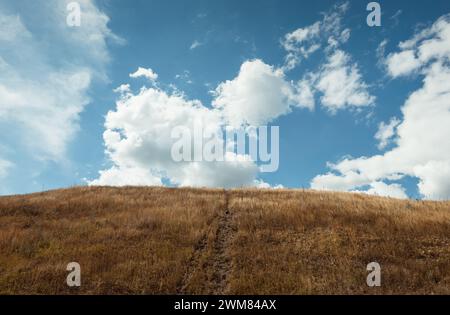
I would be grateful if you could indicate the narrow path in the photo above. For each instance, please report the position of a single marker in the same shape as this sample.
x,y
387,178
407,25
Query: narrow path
x,y
221,260
218,257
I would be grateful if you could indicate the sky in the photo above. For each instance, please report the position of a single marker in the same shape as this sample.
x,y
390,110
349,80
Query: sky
x,y
358,108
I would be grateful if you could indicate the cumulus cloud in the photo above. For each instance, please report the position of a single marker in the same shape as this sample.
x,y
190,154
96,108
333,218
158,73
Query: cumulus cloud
x,y
259,94
126,176
434,179
385,132
137,134
422,148
138,141
146,73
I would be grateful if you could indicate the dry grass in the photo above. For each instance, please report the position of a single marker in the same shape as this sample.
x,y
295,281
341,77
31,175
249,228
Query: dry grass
x,y
292,242
160,241
131,240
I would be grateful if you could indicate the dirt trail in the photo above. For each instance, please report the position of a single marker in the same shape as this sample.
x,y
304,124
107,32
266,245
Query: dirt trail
x,y
212,259
221,260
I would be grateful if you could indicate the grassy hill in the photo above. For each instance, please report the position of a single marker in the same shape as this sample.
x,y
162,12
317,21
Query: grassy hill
x,y
205,241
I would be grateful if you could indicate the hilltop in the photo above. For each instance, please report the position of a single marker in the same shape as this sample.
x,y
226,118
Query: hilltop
x,y
210,241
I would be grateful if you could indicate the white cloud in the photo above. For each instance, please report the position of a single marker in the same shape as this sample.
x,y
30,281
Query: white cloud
x,y
123,89
237,172
302,42
138,142
146,73
185,76
386,132
41,96
402,63
126,176
422,148
341,84
46,112
385,190
12,28
305,93
300,35
339,79
396,17
4,167
434,179
431,44
258,95
345,35
137,134
262,184
195,44
330,181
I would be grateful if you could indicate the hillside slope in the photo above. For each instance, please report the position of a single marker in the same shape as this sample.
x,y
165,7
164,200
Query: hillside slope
x,y
205,241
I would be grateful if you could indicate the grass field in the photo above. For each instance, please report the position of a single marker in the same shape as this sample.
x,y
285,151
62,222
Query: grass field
x,y
204,241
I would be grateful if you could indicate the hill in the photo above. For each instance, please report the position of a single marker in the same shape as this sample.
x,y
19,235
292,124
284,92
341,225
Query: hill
x,y
210,241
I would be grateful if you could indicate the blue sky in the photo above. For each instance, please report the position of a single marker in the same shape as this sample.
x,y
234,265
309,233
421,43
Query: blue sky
x,y
53,134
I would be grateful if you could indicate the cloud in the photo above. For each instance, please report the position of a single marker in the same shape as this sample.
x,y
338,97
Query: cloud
x,y
138,142
385,190
146,73
303,42
185,76
195,44
305,93
380,53
42,90
4,167
431,44
262,184
422,148
396,18
402,63
258,95
123,89
386,132
12,28
341,84
338,79
126,176
137,134
434,179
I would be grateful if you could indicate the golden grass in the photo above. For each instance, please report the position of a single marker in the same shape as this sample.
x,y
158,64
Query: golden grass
x,y
292,242
161,241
